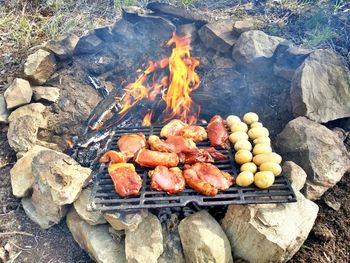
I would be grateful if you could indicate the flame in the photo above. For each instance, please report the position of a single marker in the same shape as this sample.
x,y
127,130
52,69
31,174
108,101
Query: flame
x,y
147,119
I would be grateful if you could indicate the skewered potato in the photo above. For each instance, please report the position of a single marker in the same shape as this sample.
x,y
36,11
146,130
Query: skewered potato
x,y
249,167
258,132
261,148
264,179
245,178
262,140
256,124
238,136
243,156
231,119
250,117
239,126
275,168
267,157
243,145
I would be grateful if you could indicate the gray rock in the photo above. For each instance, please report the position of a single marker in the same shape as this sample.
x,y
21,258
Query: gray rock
x,y
3,110
255,48
82,206
96,240
64,46
124,220
31,212
46,93
241,26
295,174
321,87
318,150
218,35
88,44
269,232
22,178
18,93
60,175
145,244
40,66
104,33
22,133
203,240
34,110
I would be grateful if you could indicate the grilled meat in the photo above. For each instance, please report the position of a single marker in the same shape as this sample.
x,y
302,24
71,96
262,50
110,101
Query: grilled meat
x,y
173,128
129,144
168,180
207,155
195,133
206,178
125,179
150,158
113,157
175,144
217,133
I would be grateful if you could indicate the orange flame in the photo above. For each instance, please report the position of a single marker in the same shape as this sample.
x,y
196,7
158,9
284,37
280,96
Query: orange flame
x,y
147,119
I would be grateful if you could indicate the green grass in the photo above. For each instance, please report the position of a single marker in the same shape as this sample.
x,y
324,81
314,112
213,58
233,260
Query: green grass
x,y
317,37
185,2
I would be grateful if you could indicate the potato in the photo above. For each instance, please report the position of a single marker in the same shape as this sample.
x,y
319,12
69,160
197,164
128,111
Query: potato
x,y
249,167
262,140
275,168
239,126
245,178
231,119
250,117
258,132
238,136
261,148
243,156
243,145
267,157
264,179
256,124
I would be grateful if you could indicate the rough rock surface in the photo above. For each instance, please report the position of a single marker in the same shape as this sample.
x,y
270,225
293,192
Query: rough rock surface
x,y
40,66
81,206
46,93
31,212
321,87
125,220
35,110
96,240
22,133
88,44
269,232
22,178
59,175
241,26
318,150
218,35
145,244
64,46
18,93
203,240
3,110
295,174
255,48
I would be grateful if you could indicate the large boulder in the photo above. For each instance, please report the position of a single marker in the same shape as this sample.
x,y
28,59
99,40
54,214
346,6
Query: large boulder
x,y
203,240
318,150
295,174
35,110
50,94
60,175
40,66
321,87
4,113
96,240
31,212
124,220
18,93
145,244
64,46
269,232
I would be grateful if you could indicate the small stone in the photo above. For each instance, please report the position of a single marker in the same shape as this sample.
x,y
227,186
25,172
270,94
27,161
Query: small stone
x,y
295,174
46,93
96,240
203,240
34,110
242,26
40,66
64,46
323,233
3,110
18,93
82,205
124,220
145,244
88,44
31,212
331,202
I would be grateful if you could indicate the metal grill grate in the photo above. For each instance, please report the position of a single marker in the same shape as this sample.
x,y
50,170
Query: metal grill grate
x,y
104,197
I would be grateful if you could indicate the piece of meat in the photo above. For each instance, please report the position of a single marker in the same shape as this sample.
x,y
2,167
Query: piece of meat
x,y
217,133
175,144
167,180
150,158
173,128
207,155
125,179
195,133
129,144
206,178
113,157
